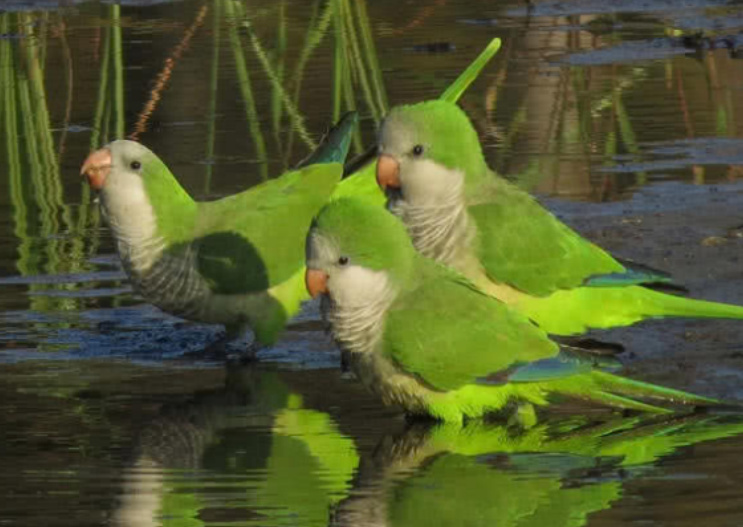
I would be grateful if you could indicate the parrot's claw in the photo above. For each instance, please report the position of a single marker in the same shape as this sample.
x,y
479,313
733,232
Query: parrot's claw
x,y
223,349
216,351
247,356
347,373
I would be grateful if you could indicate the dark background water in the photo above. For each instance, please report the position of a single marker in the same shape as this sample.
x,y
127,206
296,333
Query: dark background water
x,y
102,419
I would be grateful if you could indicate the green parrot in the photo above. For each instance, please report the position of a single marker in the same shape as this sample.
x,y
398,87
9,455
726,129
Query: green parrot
x,y
236,261
423,337
462,214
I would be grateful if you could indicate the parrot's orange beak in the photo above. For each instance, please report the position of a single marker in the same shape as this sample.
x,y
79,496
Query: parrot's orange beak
x,y
388,172
316,282
96,168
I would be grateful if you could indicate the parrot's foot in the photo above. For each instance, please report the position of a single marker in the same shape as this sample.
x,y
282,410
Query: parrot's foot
x,y
524,416
346,371
349,376
218,351
241,379
246,356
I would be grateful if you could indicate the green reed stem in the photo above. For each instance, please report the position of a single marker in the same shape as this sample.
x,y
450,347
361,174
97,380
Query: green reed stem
x,y
69,83
213,93
342,71
627,133
43,37
280,62
317,29
357,62
276,83
339,60
102,100
246,89
118,73
12,153
370,52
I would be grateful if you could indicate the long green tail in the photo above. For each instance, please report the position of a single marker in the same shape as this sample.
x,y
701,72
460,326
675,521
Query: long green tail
x,y
619,392
677,306
333,147
457,88
572,312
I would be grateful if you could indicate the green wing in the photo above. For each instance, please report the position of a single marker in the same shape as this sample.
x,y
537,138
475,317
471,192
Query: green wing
x,y
254,240
450,334
523,245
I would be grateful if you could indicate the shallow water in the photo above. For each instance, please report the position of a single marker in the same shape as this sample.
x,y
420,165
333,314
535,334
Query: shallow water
x,y
103,420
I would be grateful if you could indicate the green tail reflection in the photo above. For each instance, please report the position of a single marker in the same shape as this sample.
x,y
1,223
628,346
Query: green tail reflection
x,y
254,453
557,473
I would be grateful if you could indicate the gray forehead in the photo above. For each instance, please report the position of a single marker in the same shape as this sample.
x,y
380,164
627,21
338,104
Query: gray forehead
x,y
123,147
320,247
395,132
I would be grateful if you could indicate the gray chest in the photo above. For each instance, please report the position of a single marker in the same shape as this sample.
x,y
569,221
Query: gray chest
x,y
173,283
385,379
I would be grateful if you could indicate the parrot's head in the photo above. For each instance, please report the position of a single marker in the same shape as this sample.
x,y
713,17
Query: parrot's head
x,y
427,151
135,187
121,167
357,253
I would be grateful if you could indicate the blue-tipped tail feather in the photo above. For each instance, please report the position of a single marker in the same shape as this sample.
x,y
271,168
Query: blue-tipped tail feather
x,y
334,146
634,274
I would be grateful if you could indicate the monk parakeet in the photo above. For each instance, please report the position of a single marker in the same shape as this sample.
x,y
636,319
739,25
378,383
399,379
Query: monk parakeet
x,y
237,261
425,338
460,213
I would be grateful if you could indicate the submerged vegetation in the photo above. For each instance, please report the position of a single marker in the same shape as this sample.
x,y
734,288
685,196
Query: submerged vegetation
x,y
52,233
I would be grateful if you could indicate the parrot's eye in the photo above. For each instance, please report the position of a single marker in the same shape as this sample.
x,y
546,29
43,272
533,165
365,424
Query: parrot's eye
x,y
343,260
418,150
135,165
